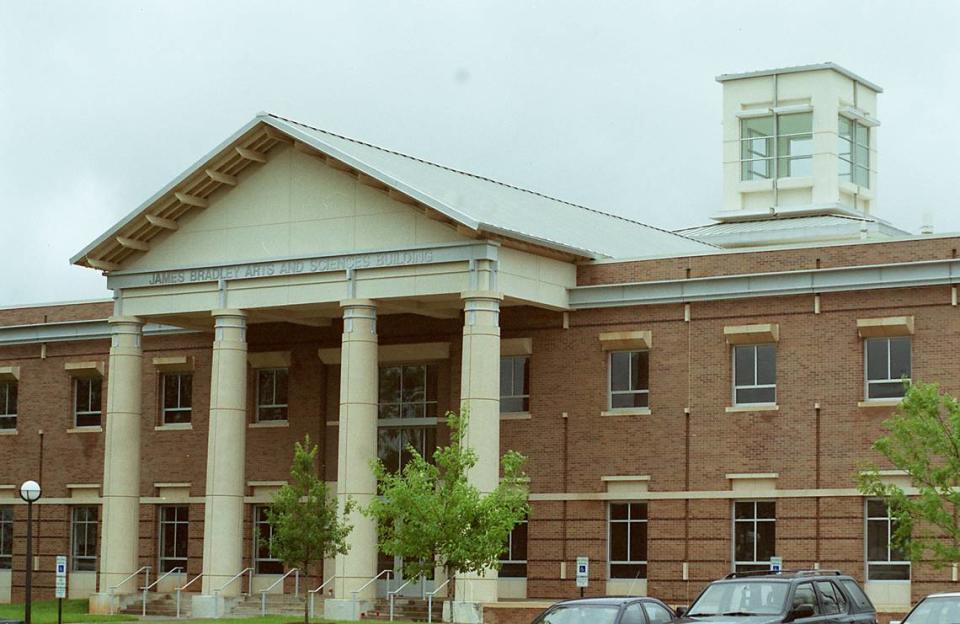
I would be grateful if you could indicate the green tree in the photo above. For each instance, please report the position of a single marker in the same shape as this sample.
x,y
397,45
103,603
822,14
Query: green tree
x,y
307,524
923,439
430,515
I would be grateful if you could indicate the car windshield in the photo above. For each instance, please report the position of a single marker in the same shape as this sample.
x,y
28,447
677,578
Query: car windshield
x,y
580,614
936,610
741,598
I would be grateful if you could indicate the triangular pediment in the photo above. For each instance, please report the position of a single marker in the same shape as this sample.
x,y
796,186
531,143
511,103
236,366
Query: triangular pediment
x,y
278,188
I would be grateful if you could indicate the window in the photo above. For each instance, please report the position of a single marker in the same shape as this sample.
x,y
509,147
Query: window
x,y
885,562
83,536
628,540
271,394
853,150
776,146
8,405
754,374
831,599
754,535
633,614
174,526
888,366
860,601
515,384
657,613
177,390
629,379
804,595
408,413
87,411
6,537
263,560
513,561
757,596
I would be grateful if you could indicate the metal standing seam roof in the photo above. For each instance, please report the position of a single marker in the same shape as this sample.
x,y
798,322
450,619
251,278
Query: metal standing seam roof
x,y
799,224
801,68
477,202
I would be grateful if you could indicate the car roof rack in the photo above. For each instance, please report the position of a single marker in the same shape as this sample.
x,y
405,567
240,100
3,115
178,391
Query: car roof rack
x,y
793,573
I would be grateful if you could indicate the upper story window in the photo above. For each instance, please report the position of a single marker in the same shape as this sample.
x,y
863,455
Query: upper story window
x,y
408,413
8,405
83,536
853,150
271,394
888,366
515,384
513,561
754,535
754,374
628,540
87,411
629,379
177,389
6,537
885,562
776,146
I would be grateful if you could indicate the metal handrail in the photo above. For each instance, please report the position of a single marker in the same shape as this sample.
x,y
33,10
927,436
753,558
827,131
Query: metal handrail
x,y
112,589
314,592
146,588
263,592
430,596
356,592
392,594
235,577
183,587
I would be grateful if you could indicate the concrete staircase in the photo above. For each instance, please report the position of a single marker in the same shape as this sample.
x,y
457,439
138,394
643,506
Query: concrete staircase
x,y
277,604
404,609
159,604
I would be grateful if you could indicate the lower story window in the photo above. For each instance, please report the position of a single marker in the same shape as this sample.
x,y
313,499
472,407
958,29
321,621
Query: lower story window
x,y
174,527
754,535
6,537
264,562
513,561
885,562
628,540
83,535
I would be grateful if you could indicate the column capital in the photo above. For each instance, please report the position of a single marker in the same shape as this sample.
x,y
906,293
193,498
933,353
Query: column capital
x,y
217,312
125,320
358,303
490,295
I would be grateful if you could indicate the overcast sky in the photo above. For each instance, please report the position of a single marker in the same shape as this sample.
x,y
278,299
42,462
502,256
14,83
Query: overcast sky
x,y
609,104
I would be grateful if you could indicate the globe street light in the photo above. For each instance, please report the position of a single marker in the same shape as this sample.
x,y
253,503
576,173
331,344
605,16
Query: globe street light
x,y
30,492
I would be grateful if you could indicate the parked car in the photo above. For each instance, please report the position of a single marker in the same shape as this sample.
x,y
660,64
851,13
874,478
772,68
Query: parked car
x,y
934,609
810,596
622,610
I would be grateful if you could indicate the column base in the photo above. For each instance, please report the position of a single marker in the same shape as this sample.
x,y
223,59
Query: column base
x,y
207,606
462,612
337,609
104,604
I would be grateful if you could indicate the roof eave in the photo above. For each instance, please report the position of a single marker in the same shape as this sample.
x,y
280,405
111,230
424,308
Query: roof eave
x,y
802,68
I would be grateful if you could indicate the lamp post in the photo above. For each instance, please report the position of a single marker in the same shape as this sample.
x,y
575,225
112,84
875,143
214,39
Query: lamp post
x,y
29,492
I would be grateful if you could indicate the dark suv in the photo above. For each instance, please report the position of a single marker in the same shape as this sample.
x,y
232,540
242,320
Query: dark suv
x,y
807,596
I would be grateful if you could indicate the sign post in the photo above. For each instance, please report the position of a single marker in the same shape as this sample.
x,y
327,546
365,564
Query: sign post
x,y
583,573
61,590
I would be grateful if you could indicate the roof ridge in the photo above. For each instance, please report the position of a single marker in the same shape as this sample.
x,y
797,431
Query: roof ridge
x,y
486,179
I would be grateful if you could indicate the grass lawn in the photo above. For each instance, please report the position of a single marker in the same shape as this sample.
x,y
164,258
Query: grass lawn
x,y
45,612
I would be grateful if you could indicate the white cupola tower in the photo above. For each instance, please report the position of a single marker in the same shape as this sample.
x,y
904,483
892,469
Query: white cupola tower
x,y
799,141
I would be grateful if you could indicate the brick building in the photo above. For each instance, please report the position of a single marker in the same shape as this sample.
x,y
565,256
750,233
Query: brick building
x,y
690,403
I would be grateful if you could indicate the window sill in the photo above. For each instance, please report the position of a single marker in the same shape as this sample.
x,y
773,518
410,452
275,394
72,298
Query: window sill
x,y
515,416
268,424
91,429
174,427
879,403
753,407
754,186
4,432
798,182
627,411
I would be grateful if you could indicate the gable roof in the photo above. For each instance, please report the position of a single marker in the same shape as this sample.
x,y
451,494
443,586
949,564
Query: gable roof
x,y
477,203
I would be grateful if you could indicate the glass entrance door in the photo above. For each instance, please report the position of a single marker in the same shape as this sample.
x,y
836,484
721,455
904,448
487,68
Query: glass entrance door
x,y
418,588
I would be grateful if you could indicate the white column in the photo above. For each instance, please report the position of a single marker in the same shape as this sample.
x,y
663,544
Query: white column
x,y
480,396
357,448
120,518
226,454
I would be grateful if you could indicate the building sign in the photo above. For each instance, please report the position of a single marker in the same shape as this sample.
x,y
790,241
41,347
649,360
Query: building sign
x,y
458,252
